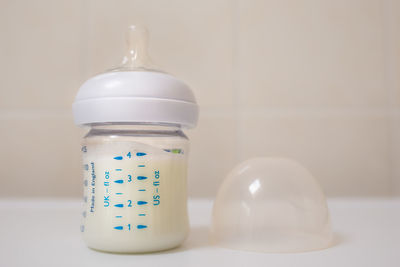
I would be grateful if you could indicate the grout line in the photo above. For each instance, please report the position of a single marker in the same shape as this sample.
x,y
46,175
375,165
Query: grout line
x,y
316,112
35,114
84,38
391,82
299,113
236,79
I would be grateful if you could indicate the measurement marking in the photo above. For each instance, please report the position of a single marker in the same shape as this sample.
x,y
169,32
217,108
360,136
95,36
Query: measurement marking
x,y
84,214
118,227
118,216
157,190
142,202
118,193
118,158
106,189
141,154
85,182
118,170
119,181
141,226
142,189
119,205
141,166
142,214
141,177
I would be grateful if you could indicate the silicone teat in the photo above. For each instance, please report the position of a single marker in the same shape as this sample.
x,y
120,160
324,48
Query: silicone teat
x,y
136,56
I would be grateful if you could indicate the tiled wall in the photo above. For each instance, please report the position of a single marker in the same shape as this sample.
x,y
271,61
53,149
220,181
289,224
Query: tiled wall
x,y
317,81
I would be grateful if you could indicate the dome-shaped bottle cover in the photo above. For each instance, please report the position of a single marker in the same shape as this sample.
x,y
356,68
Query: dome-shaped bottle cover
x,y
271,205
135,92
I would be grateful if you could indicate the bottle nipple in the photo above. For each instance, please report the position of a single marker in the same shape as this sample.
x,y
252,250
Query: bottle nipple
x,y
136,56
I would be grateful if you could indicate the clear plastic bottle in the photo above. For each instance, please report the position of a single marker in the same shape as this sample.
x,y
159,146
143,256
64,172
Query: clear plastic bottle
x,y
135,155
140,203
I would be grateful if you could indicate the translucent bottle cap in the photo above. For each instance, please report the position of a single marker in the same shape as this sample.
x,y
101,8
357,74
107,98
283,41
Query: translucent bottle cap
x,y
135,92
271,205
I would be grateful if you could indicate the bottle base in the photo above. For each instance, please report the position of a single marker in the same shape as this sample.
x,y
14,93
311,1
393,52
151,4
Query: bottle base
x,y
132,246
135,251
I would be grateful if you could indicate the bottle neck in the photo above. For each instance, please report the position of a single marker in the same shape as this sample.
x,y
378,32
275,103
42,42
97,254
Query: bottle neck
x,y
129,127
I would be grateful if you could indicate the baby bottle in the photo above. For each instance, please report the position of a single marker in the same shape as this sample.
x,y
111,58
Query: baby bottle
x,y
135,154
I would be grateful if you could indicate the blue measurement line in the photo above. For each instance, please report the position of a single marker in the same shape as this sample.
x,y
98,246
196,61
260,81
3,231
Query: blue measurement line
x,y
142,202
118,158
142,189
119,205
142,214
141,154
141,226
119,181
118,216
141,166
118,227
118,193
118,170
141,177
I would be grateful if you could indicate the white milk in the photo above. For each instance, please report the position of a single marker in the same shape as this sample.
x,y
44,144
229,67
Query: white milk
x,y
135,194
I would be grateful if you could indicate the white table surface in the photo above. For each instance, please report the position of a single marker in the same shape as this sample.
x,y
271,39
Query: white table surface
x,y
46,233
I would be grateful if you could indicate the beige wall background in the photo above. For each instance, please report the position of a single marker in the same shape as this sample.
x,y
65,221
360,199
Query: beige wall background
x,y
317,81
